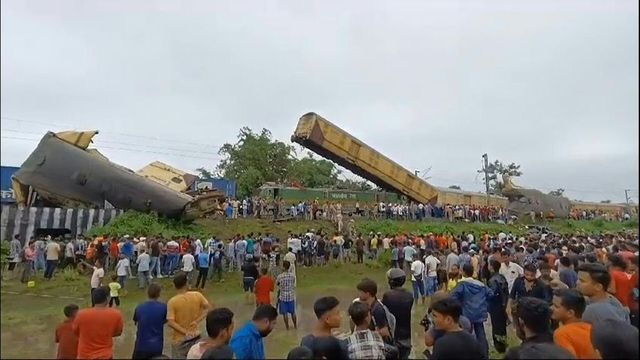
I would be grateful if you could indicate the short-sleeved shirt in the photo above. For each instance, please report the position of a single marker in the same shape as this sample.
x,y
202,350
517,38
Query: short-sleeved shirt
x,y
609,308
623,285
114,289
121,267
95,328
264,286
144,261
378,316
68,250
457,345
188,262
576,339
67,341
53,250
327,347
150,318
96,277
184,309
409,252
287,286
203,260
365,344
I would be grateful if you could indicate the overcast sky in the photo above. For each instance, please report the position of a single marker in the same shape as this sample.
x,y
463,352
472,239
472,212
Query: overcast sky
x,y
552,85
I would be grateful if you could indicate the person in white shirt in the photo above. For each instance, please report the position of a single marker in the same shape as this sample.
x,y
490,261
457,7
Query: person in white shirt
x,y
198,246
290,256
431,266
510,270
69,255
188,262
96,278
417,272
123,268
52,251
144,262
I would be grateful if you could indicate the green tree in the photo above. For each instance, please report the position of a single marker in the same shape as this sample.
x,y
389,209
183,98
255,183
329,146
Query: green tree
x,y
557,192
204,173
495,170
313,173
256,158
356,185
605,202
455,187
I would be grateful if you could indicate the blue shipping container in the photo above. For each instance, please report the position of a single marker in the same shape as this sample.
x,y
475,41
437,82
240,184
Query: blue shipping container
x,y
227,186
5,183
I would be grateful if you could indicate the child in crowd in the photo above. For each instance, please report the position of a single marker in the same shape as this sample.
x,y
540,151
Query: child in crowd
x,y
454,277
66,339
263,288
114,290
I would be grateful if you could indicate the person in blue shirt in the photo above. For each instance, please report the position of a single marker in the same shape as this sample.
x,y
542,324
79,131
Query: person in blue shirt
x,y
247,341
203,268
150,318
127,248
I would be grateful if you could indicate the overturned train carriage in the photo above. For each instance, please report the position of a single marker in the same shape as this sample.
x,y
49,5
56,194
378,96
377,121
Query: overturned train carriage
x,y
63,171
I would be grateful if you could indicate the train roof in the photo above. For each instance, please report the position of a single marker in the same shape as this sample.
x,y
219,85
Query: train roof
x,y
462,192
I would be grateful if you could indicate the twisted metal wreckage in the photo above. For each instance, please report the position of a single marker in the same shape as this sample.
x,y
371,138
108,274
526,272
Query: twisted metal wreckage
x,y
63,171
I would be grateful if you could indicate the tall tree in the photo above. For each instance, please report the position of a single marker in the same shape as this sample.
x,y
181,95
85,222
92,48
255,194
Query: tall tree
x,y
557,192
455,187
313,173
605,202
254,159
495,170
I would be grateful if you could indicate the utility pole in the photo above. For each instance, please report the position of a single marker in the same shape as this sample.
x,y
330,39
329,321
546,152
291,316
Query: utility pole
x,y
485,168
626,195
416,172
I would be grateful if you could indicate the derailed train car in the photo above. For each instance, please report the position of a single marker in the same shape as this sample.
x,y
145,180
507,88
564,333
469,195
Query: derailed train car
x,y
63,171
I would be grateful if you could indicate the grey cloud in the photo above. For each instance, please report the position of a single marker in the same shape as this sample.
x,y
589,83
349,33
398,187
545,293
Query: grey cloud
x,y
551,85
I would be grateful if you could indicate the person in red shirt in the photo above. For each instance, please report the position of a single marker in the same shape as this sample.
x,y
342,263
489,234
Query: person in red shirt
x,y
65,338
97,326
114,251
263,289
621,285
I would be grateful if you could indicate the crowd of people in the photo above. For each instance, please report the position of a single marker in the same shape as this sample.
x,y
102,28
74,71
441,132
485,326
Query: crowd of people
x,y
562,295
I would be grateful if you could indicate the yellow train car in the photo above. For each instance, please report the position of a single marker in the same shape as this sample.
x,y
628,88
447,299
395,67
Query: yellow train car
x,y
329,141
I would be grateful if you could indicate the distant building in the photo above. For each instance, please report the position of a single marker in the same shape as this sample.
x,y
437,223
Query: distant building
x,y
5,184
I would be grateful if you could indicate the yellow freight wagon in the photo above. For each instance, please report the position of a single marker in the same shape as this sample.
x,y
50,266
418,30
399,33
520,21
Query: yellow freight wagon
x,y
327,140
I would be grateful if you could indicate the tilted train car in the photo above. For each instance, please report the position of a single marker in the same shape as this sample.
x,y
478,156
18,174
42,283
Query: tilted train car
x,y
326,139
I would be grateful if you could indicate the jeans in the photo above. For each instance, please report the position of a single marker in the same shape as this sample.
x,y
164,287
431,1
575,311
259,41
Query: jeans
x,y
40,263
172,262
216,269
202,276
430,285
143,279
418,289
50,269
154,267
481,336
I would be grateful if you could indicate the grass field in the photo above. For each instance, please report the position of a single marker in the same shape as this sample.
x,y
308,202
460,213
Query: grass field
x,y
29,316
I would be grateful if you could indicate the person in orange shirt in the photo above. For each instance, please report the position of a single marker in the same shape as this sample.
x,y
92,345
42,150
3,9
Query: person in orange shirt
x,y
573,335
621,285
263,288
65,338
113,251
97,326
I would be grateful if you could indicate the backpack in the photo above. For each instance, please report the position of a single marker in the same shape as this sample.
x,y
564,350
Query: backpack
x,y
391,320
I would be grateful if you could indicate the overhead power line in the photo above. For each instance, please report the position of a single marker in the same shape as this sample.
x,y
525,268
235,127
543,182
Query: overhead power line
x,y
21,132
122,149
49,124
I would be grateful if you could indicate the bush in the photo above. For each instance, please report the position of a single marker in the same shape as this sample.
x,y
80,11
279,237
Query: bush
x,y
135,223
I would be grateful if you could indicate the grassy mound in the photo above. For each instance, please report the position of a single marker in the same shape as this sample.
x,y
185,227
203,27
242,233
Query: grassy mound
x,y
135,223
